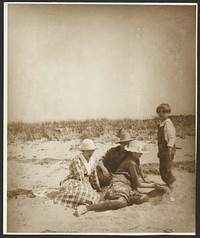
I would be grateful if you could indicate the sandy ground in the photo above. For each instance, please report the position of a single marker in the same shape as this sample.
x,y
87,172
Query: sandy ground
x,y
39,166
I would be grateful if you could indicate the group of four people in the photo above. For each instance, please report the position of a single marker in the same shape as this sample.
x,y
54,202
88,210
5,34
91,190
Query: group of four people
x,y
118,171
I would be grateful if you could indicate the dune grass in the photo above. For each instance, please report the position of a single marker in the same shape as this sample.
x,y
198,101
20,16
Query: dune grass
x,y
106,130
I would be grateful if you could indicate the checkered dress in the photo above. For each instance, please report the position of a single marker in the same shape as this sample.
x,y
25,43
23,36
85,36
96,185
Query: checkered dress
x,y
78,187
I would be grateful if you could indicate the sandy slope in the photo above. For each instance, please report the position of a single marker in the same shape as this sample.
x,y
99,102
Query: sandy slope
x,y
40,165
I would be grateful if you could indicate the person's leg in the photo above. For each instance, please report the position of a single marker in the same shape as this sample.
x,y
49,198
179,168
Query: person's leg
x,y
166,169
173,179
102,206
169,177
162,168
108,205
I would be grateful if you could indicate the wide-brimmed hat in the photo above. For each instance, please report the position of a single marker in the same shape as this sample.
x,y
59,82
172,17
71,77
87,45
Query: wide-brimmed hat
x,y
137,147
124,137
87,144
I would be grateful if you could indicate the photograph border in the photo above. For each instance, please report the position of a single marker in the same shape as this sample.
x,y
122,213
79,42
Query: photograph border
x,y
5,106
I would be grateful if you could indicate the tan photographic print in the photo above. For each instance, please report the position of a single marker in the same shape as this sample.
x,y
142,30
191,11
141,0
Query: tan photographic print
x,y
100,118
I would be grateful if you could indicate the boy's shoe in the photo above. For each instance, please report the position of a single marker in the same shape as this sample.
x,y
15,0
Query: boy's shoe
x,y
80,210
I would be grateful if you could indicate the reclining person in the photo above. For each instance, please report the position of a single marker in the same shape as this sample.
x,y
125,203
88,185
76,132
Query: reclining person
x,y
123,189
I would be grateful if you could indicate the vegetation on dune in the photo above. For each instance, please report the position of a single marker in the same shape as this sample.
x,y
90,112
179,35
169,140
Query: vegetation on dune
x,y
104,130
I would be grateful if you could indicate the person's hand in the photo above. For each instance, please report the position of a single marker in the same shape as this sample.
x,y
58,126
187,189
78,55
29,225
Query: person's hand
x,y
140,191
133,192
157,186
152,184
169,150
105,172
147,180
99,190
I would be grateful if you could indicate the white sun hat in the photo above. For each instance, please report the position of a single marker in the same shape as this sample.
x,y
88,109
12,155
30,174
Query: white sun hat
x,y
136,146
87,144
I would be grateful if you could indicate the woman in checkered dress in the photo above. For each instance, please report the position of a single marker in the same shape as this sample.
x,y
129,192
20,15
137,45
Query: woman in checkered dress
x,y
80,186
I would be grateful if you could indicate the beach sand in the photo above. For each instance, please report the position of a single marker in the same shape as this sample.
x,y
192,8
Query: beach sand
x,y
34,170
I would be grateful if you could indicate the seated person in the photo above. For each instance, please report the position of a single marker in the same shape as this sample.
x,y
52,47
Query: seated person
x,y
131,165
123,189
110,162
81,184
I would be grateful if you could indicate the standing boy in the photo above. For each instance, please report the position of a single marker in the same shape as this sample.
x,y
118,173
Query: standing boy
x,y
166,144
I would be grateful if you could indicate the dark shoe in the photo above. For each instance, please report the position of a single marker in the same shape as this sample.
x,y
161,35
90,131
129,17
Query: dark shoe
x,y
159,191
139,199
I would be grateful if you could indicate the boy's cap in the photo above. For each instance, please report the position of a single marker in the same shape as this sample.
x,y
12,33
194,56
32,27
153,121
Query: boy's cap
x,y
137,147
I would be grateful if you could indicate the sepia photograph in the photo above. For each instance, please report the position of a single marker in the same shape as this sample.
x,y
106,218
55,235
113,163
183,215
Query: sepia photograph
x,y
100,127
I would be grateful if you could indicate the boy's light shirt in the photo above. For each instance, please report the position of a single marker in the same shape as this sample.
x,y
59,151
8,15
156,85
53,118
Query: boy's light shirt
x,y
88,165
169,132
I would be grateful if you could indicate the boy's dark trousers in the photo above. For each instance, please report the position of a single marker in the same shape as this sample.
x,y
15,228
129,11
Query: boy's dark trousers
x,y
166,158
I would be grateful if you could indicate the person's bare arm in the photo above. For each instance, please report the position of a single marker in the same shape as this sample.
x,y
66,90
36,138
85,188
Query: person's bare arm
x,y
103,168
135,178
146,185
144,178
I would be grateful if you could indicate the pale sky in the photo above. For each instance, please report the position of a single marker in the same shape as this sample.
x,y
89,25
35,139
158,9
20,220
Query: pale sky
x,y
94,61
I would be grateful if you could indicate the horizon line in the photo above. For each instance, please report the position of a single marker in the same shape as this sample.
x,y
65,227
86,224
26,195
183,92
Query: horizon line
x,y
95,119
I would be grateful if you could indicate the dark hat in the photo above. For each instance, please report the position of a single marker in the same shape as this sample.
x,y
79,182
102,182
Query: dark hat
x,y
124,137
